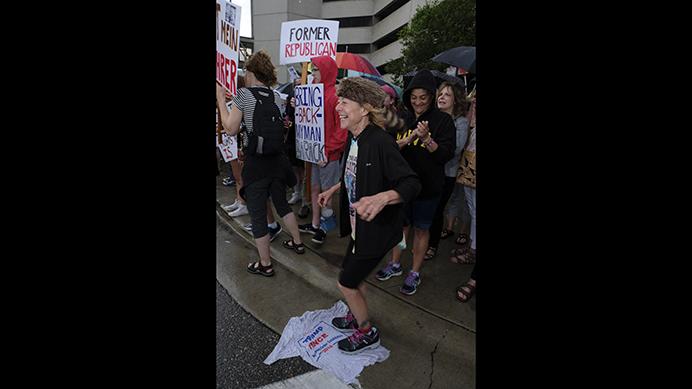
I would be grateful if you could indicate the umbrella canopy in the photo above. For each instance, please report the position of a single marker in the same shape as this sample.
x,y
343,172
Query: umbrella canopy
x,y
378,80
439,78
462,57
355,62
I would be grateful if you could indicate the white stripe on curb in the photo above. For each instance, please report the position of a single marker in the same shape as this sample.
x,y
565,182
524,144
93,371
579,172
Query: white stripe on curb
x,y
316,379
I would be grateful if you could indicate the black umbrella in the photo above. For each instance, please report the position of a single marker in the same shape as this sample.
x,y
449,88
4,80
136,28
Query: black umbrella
x,y
439,78
462,57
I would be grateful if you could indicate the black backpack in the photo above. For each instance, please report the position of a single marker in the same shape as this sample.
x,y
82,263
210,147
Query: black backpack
x,y
267,138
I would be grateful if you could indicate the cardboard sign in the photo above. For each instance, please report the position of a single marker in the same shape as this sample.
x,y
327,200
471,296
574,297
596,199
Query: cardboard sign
x,y
228,147
227,44
309,120
321,340
304,39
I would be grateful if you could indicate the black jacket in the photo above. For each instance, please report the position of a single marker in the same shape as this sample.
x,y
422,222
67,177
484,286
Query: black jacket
x,y
380,167
428,166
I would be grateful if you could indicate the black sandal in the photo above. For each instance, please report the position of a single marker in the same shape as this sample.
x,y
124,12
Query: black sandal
x,y
462,239
446,233
299,248
465,292
258,268
430,254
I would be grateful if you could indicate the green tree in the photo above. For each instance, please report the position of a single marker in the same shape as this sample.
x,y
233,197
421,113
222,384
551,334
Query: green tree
x,y
436,27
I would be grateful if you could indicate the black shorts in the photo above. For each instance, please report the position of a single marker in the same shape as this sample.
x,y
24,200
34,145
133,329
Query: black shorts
x,y
355,269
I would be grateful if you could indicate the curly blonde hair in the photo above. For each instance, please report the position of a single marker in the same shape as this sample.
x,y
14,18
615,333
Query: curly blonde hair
x,y
260,64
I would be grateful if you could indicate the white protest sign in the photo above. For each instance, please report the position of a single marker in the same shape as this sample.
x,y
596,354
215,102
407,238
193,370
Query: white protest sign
x,y
321,340
304,39
309,121
228,147
227,44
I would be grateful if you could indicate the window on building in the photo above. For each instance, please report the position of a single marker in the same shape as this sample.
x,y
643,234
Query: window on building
x,y
357,48
387,39
389,8
356,21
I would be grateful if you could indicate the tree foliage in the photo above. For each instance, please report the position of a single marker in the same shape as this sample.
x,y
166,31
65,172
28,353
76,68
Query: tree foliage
x,y
437,26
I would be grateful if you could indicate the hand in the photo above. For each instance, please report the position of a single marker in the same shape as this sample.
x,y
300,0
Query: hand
x,y
293,102
422,130
324,198
369,206
322,163
287,123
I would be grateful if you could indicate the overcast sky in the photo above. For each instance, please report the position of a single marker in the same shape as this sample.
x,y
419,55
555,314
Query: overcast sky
x,y
245,17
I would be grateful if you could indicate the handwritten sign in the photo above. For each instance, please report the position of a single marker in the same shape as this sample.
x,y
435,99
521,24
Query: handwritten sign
x,y
304,39
227,43
309,121
228,147
321,340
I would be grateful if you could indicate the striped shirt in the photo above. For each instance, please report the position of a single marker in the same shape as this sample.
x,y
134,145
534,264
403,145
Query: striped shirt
x,y
245,102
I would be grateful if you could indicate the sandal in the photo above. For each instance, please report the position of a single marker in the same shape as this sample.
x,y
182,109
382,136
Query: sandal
x,y
463,257
258,268
446,233
465,292
462,239
299,248
430,254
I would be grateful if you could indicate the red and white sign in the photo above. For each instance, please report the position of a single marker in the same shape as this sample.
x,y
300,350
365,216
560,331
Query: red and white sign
x,y
304,39
227,44
228,147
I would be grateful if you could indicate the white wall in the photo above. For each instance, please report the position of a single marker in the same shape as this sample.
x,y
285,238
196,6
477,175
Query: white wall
x,y
355,35
345,9
390,52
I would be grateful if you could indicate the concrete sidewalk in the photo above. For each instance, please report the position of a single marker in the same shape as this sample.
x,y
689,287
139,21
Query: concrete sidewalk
x,y
431,334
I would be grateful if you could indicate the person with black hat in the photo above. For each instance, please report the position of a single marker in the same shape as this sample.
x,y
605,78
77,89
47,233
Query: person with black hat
x,y
427,143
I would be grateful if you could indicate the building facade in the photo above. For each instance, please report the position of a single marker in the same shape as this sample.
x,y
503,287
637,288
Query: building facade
x,y
366,27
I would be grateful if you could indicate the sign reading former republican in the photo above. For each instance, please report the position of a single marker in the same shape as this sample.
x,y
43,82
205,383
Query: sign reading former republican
x,y
227,41
304,39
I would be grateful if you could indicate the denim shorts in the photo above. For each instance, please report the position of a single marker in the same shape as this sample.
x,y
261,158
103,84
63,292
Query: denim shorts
x,y
420,212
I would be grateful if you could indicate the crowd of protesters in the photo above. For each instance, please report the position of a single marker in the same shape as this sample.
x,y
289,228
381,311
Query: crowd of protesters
x,y
404,174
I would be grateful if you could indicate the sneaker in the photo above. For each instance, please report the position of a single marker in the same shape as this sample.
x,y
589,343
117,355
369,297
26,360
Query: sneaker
x,y
304,211
360,341
389,271
295,198
319,236
346,323
240,211
410,283
231,207
307,228
228,181
247,227
328,223
273,232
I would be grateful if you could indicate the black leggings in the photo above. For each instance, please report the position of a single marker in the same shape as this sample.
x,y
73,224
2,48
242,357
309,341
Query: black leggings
x,y
438,219
256,195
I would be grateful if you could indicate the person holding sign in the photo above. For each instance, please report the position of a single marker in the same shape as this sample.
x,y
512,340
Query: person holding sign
x,y
427,143
263,175
375,181
326,173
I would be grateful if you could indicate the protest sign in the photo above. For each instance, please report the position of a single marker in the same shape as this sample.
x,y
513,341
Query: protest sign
x,y
227,44
309,122
304,39
228,147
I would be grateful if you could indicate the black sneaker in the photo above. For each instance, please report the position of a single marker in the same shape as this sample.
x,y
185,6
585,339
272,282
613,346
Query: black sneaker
x,y
308,228
359,341
346,323
319,236
274,232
